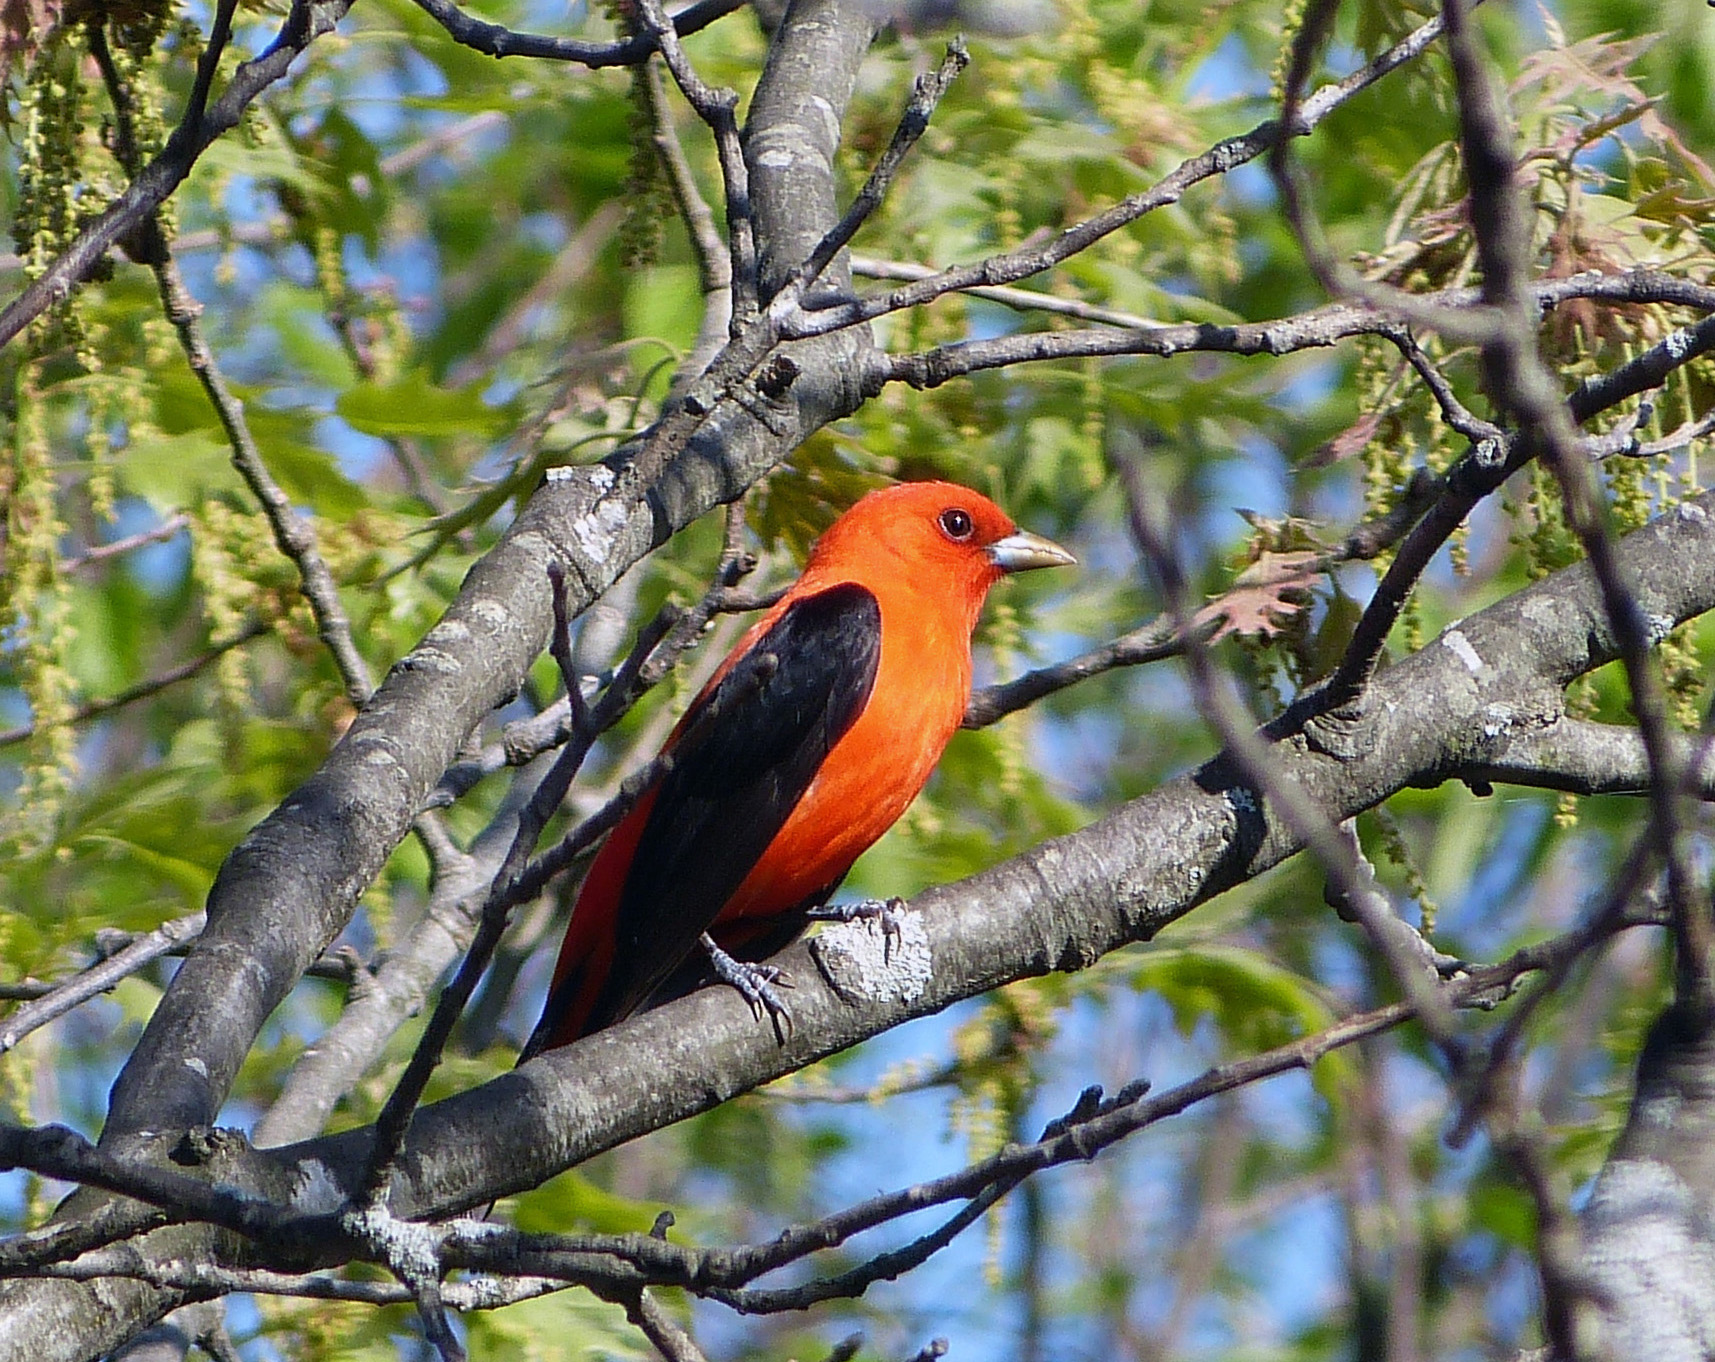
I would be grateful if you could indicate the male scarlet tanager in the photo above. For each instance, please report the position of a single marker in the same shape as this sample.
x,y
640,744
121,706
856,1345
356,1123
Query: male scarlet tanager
x,y
810,739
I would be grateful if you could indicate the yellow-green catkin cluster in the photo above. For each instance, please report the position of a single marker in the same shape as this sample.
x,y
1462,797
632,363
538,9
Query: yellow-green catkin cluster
x,y
1291,21
35,612
50,193
19,1084
991,1050
66,398
648,196
1548,540
1637,489
223,542
1682,661
134,47
1442,447
1388,464
34,597
1006,639
106,406
1630,493
371,325
1392,839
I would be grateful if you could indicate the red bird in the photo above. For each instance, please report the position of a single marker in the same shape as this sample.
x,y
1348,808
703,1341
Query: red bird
x,y
816,732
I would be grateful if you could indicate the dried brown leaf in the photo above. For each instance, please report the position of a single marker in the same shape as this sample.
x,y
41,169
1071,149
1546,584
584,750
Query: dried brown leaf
x,y
1266,597
1349,442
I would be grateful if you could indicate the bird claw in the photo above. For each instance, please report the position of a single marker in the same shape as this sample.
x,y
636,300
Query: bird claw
x,y
887,913
759,986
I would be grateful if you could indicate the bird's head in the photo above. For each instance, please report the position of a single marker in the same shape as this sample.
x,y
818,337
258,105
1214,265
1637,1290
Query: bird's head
x,y
939,531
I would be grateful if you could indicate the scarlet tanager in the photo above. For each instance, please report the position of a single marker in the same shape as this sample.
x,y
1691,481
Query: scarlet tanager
x,y
812,737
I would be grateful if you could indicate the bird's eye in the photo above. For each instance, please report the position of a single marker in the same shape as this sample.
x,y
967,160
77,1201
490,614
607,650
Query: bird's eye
x,y
957,523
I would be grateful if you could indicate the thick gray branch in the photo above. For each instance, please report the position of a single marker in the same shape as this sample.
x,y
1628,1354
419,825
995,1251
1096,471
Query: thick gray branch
x,y
1063,904
293,882
1646,1231
794,132
1446,709
1586,758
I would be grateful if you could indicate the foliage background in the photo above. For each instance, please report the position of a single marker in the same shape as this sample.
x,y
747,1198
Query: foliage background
x,y
430,274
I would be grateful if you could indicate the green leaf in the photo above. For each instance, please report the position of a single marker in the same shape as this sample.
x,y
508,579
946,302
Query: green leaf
x,y
664,302
191,879
573,1200
415,406
174,471
1255,1002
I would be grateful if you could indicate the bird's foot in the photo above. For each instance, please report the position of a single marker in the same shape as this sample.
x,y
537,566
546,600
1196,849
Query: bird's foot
x,y
884,912
760,986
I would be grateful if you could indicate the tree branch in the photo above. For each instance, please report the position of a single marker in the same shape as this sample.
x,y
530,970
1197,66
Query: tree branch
x,y
1062,904
1218,160
201,124
493,40
99,977
154,685
1057,906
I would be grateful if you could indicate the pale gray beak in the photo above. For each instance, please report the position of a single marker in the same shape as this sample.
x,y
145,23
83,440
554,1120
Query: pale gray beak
x,y
1020,551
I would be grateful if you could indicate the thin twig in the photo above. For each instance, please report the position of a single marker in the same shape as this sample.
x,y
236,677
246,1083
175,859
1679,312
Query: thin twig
x,y
1616,907
1651,369
926,93
535,877
635,1260
1314,27
294,537
1687,433
58,1152
1335,275
1501,225
432,1310
436,143
481,1293
62,1240
659,648
1022,300
1153,642
292,534
714,263
200,126
1014,266
100,977
661,1329
1327,325
100,553
1454,412
1489,463
518,880
209,63
1405,953
394,1123
1161,637
1083,1138
496,41
154,685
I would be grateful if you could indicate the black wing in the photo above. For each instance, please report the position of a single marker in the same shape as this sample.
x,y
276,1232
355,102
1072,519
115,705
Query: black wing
x,y
748,751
